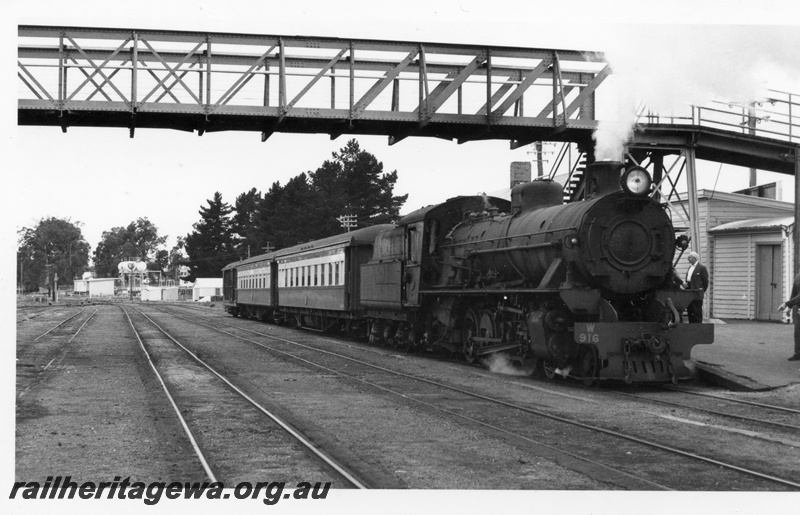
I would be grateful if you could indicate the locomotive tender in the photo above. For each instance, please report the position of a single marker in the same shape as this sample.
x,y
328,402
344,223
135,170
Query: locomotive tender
x,y
585,289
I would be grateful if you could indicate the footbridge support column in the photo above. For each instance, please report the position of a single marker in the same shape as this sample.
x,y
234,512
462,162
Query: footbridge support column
x,y
691,189
795,232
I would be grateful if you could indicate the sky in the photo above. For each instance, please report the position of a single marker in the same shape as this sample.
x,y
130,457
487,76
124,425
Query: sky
x,y
677,51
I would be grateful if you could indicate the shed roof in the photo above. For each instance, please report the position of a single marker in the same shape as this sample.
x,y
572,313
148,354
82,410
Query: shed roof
x,y
755,225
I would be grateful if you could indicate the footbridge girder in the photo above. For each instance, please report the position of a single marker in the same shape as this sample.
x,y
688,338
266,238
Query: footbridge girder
x,y
204,82
717,145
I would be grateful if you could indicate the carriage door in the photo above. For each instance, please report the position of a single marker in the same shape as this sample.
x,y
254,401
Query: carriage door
x,y
412,274
769,279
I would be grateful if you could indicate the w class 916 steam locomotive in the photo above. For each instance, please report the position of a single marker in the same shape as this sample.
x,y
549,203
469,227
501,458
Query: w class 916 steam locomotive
x,y
585,289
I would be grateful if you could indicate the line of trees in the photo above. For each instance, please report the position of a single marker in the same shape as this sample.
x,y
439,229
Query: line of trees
x,y
307,207
55,248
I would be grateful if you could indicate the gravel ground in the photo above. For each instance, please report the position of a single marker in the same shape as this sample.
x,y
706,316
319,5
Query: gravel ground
x,y
92,408
97,411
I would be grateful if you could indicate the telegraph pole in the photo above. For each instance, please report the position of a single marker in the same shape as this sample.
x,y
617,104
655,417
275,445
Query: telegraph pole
x,y
348,222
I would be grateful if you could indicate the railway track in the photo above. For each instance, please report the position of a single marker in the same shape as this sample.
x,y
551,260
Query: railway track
x,y
762,420
57,326
657,451
42,351
161,351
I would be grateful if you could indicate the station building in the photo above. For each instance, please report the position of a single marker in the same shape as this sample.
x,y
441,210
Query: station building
x,y
746,244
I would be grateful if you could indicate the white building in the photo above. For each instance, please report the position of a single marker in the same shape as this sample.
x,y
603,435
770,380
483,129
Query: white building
x,y
752,267
80,286
745,242
101,287
154,293
206,288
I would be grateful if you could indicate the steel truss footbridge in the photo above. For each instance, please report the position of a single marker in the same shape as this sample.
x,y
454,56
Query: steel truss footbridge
x,y
207,82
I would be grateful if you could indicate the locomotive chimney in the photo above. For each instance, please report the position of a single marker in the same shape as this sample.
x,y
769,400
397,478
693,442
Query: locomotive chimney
x,y
602,178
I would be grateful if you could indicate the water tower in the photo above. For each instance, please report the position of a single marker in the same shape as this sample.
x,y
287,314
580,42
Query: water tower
x,y
132,272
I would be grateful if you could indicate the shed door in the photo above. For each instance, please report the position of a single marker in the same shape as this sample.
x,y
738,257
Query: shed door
x,y
769,278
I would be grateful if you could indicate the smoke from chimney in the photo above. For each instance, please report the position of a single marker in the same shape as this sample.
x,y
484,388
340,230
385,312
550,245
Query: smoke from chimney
x,y
668,67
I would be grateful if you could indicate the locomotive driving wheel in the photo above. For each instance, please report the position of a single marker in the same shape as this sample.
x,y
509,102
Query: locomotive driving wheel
x,y
479,324
589,362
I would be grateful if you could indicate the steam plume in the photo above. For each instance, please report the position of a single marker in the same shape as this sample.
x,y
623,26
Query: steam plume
x,y
668,67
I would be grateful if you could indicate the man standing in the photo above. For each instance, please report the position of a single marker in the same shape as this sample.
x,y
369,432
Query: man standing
x,y
696,278
792,304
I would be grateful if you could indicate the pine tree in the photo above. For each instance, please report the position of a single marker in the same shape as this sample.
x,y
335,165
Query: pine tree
x,y
354,183
307,207
247,239
210,245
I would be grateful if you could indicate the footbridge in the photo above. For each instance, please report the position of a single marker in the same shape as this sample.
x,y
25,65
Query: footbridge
x,y
207,82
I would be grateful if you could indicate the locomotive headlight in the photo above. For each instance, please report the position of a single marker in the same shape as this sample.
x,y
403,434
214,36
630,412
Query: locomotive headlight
x,y
636,181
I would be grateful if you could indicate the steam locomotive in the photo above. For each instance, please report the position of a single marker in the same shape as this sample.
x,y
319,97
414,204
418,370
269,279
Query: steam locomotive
x,y
585,289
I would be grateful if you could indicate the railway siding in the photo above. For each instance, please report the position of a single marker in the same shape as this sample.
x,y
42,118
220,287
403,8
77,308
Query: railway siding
x,y
97,413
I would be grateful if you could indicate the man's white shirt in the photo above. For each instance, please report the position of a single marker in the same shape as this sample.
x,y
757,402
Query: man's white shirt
x,y
690,272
